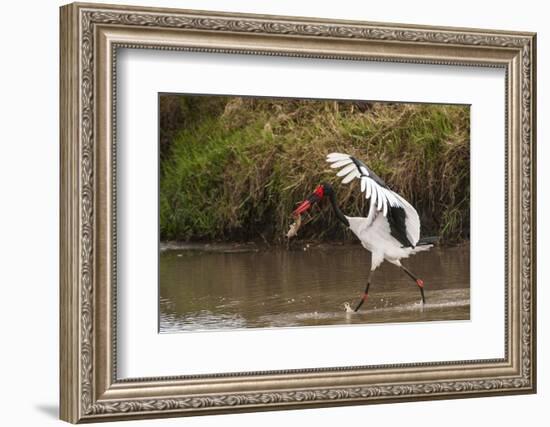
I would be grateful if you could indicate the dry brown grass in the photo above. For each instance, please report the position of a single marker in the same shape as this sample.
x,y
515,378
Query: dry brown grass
x,y
237,170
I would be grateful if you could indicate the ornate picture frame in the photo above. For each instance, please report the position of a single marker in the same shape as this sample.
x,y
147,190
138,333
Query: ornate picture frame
x,y
90,37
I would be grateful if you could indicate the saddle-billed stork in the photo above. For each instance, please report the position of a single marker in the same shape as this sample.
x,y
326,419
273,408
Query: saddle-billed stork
x,y
391,229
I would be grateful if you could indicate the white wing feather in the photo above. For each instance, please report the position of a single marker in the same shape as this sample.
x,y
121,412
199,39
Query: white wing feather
x,y
380,197
347,169
340,163
368,191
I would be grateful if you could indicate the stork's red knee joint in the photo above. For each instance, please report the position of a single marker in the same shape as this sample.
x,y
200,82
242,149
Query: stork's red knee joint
x,y
365,297
420,283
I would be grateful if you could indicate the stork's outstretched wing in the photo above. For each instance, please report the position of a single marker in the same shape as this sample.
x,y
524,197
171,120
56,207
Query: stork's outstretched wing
x,y
402,217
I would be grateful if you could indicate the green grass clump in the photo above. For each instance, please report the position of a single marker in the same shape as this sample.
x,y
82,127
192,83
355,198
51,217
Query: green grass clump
x,y
236,171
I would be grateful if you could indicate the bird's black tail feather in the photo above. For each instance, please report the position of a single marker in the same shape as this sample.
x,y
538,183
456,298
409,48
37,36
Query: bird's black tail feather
x,y
432,240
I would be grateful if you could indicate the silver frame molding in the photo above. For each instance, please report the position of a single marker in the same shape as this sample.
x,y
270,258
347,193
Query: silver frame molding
x,y
90,37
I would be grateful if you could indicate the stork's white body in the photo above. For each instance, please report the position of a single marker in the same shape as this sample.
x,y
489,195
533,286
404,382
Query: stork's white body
x,y
376,238
374,230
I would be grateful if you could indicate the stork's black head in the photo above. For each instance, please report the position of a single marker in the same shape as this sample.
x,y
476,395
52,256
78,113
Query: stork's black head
x,y
327,189
315,197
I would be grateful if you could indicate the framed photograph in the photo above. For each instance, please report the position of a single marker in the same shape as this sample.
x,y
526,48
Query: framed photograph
x,y
265,212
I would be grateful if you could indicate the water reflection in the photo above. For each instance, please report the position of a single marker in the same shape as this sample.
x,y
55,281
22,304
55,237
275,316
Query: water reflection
x,y
204,290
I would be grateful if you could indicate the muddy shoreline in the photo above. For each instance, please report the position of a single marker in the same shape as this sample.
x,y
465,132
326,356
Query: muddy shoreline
x,y
293,245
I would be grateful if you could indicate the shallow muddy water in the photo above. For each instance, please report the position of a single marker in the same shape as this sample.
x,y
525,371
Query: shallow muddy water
x,y
212,288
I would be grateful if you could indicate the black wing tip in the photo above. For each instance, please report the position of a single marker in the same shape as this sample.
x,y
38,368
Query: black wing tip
x,y
358,163
429,240
398,229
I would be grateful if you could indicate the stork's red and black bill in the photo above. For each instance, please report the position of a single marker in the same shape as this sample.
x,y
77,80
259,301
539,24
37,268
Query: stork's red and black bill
x,y
315,197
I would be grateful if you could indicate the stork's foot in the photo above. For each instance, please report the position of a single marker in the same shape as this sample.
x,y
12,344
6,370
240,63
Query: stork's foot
x,y
348,308
420,284
363,300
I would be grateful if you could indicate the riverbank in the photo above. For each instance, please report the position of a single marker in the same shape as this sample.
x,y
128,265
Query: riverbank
x,y
235,168
299,245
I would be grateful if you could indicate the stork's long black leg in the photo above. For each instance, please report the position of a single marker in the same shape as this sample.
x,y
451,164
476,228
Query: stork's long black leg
x,y
366,294
419,282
